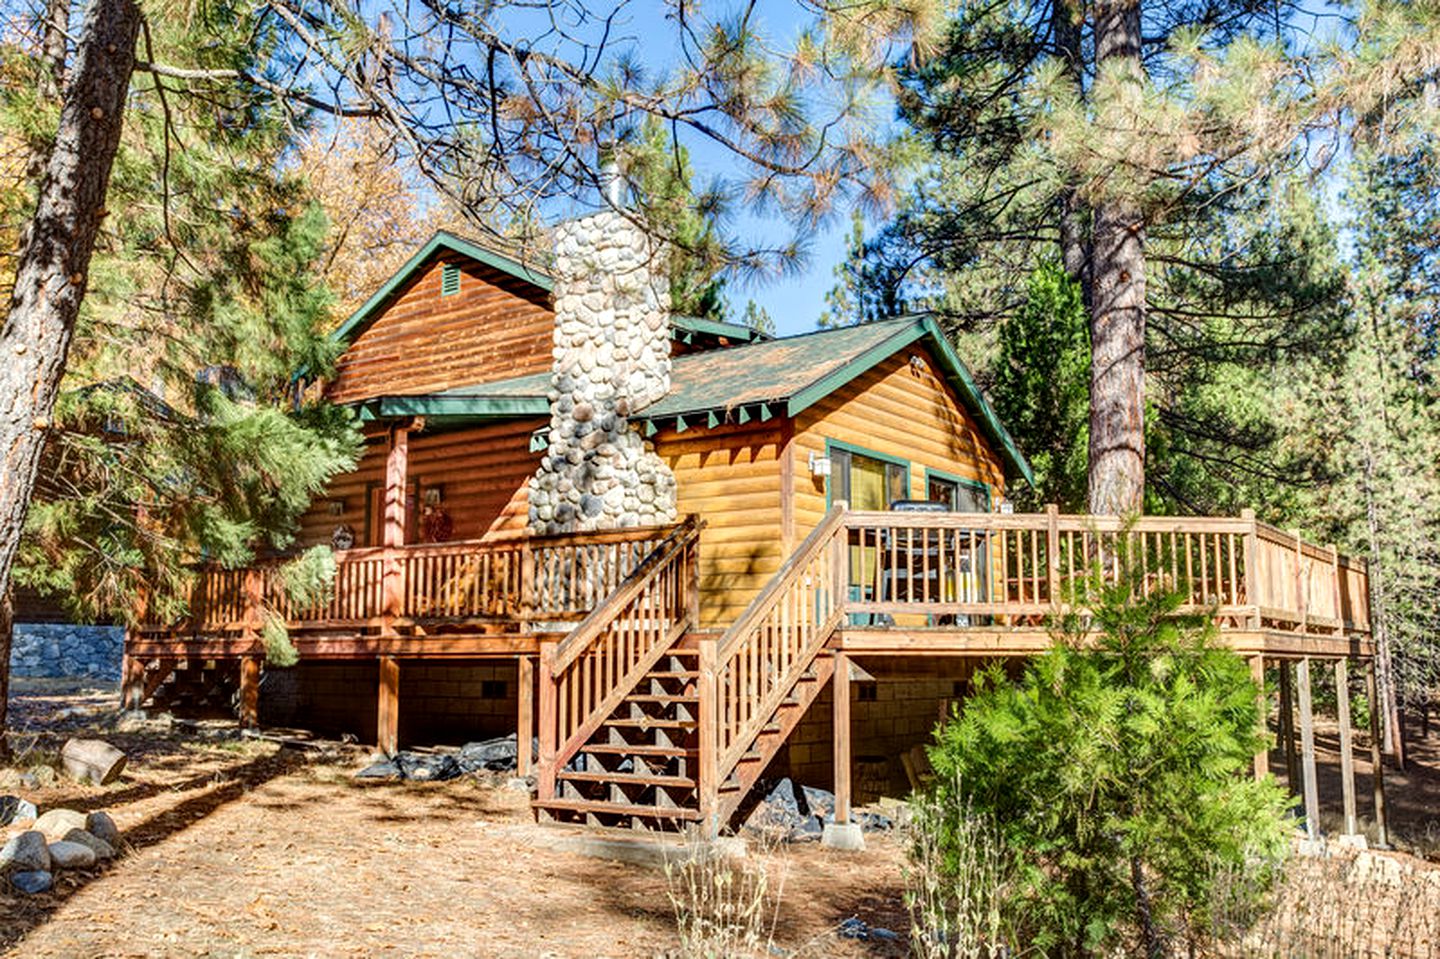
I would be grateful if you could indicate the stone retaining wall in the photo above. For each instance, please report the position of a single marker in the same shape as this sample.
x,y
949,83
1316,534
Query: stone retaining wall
x,y
64,649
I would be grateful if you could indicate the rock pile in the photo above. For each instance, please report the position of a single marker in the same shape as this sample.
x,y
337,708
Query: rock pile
x,y
58,839
612,359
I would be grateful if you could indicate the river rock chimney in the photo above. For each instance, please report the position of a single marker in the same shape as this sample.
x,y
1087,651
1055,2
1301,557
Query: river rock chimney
x,y
611,359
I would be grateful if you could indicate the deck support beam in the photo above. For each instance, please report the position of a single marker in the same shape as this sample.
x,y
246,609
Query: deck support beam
x,y
843,833
1377,763
1307,750
1347,757
1287,728
250,692
387,722
132,685
525,721
1262,755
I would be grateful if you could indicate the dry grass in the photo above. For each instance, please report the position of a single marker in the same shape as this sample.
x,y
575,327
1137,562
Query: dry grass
x,y
726,903
955,912
1345,906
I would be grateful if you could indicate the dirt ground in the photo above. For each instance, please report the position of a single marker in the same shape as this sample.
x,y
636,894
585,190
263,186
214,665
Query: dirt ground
x,y
241,848
238,847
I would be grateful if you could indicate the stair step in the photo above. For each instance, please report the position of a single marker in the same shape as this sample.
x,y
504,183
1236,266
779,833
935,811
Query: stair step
x,y
625,749
617,809
648,722
660,698
631,779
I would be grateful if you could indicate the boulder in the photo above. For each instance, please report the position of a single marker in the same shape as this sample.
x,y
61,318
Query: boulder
x,y
25,852
101,848
92,760
55,823
32,881
102,827
71,855
13,808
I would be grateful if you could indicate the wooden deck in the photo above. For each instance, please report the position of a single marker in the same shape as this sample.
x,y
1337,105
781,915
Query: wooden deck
x,y
644,718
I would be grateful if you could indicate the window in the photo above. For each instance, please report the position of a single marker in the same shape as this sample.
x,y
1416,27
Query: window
x,y
961,496
866,482
449,279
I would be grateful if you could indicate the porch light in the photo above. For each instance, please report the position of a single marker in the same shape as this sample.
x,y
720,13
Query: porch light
x,y
335,507
819,465
433,495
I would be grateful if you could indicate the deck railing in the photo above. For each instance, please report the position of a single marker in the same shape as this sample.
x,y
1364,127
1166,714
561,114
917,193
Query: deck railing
x,y
537,579
1019,569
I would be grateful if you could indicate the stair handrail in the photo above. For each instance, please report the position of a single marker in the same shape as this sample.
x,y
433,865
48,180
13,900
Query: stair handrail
x,y
824,546
586,631
566,725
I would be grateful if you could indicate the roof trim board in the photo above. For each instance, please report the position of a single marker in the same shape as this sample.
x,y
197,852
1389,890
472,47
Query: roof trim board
x,y
385,407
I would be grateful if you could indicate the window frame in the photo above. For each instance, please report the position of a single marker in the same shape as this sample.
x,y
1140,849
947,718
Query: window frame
x,y
979,486
833,446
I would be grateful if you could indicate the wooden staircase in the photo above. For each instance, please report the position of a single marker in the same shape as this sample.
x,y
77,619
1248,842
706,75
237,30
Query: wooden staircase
x,y
648,723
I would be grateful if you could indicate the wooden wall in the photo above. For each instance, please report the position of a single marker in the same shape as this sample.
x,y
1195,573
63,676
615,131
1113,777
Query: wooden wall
x,y
483,472
494,328
731,477
900,409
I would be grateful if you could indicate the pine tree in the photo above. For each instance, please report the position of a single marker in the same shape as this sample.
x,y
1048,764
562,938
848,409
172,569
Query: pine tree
x,y
1139,160
174,437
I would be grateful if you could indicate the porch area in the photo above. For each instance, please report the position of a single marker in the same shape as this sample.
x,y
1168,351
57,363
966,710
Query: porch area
x,y
644,719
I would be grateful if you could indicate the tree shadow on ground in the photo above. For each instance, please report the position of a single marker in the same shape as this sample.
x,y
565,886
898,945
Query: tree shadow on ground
x,y
24,914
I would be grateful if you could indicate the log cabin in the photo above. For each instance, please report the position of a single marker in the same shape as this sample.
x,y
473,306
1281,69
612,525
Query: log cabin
x,y
679,556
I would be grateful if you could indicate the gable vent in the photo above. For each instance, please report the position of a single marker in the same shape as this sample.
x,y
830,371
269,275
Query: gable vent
x,y
449,279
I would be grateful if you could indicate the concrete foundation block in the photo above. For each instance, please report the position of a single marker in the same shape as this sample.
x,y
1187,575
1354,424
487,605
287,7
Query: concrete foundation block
x,y
845,836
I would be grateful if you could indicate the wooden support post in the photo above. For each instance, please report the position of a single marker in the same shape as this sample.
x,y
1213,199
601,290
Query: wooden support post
x,y
707,777
249,692
549,720
1377,764
132,686
525,721
1347,758
397,459
1287,728
841,732
1307,750
387,735
1052,552
1262,755
1252,567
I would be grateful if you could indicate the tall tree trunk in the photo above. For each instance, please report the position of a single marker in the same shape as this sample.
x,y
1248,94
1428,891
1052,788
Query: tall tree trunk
x,y
1380,616
52,47
1117,309
54,261
1074,241
7,632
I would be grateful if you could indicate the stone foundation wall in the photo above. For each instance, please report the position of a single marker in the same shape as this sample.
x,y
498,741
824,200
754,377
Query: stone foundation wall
x,y
63,649
612,358
440,704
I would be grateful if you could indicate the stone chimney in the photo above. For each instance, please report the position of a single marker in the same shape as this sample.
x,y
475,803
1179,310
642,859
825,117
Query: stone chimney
x,y
612,358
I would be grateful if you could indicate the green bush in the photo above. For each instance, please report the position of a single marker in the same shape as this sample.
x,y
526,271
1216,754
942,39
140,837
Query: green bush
x,y
1117,769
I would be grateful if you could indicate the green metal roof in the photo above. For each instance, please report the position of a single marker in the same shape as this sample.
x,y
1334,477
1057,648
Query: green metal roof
x,y
682,325
754,381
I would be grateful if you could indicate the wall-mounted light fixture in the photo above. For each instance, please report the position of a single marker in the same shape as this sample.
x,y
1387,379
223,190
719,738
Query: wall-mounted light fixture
x,y
433,495
335,507
819,465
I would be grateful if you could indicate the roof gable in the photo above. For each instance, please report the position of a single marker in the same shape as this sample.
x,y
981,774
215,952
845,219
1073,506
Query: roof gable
x,y
442,241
